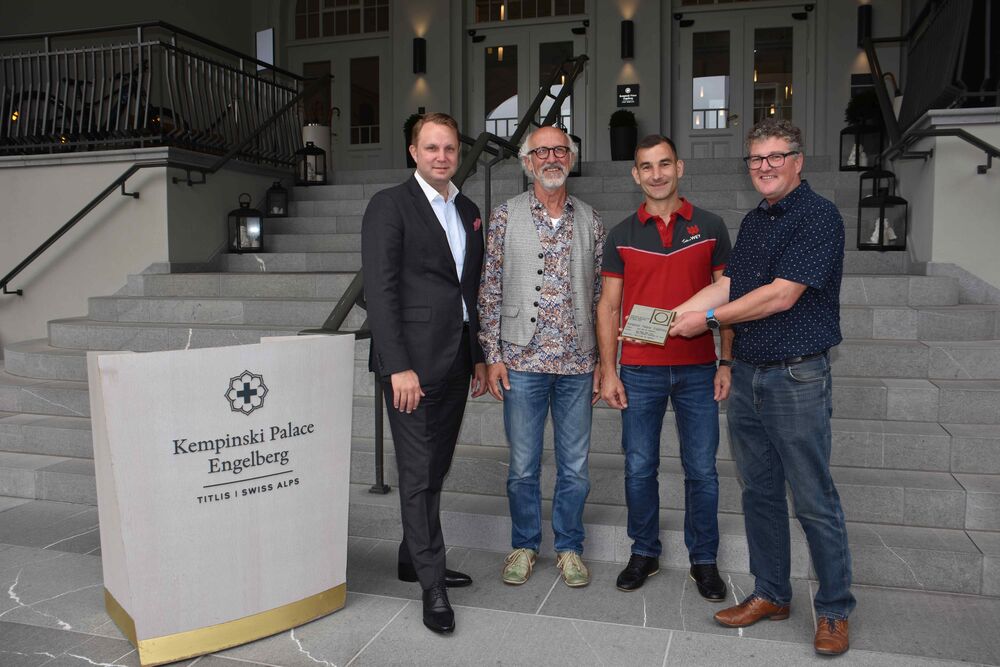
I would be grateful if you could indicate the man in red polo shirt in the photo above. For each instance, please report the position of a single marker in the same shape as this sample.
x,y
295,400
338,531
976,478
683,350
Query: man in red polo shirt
x,y
659,257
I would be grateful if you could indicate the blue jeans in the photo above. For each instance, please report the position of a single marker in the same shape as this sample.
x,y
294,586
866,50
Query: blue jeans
x,y
691,390
779,427
525,408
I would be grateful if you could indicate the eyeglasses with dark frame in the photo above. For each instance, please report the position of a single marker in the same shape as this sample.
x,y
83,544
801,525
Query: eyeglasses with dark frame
x,y
775,160
542,152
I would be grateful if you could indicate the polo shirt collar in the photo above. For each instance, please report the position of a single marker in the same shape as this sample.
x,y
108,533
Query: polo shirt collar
x,y
686,211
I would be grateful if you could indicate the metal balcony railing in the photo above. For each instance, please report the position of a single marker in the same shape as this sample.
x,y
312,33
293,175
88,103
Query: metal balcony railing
x,y
148,84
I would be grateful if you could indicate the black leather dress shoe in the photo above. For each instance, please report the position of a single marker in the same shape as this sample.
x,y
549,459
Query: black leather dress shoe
x,y
634,575
710,584
438,614
452,579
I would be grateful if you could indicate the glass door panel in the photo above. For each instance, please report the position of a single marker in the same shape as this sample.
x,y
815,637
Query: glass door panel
x,y
551,56
500,74
773,88
710,80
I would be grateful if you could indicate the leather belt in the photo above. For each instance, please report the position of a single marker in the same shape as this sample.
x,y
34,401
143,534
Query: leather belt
x,y
790,361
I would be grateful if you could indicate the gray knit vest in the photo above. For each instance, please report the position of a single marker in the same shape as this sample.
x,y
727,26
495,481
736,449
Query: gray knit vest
x,y
523,265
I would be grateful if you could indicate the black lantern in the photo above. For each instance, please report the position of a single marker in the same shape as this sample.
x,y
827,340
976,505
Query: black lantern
x,y
246,232
276,201
860,147
310,168
882,215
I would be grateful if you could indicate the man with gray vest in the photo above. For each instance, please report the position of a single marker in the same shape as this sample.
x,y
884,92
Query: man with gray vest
x,y
541,283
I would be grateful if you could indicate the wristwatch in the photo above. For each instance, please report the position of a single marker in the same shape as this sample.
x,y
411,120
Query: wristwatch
x,y
710,320
725,362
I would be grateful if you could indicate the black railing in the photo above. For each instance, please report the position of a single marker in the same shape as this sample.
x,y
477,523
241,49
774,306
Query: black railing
x,y
948,64
149,84
497,149
239,149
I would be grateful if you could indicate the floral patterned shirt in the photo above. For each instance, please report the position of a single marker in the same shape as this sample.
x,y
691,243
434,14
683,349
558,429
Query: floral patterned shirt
x,y
554,348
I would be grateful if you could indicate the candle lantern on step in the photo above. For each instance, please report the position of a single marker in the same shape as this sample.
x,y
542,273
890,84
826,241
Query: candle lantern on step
x,y
860,147
882,215
276,201
246,231
310,165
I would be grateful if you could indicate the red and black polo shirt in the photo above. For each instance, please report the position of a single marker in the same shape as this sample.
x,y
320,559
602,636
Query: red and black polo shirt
x,y
663,264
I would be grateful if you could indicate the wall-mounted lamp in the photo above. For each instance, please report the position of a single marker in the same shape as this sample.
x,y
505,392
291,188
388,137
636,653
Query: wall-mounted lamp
x,y
476,38
628,40
419,55
864,24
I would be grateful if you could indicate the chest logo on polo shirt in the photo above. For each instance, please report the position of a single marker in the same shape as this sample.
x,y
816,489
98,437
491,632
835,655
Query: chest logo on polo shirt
x,y
693,234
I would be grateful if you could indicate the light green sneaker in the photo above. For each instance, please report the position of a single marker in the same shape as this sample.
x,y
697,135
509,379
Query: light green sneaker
x,y
517,566
574,572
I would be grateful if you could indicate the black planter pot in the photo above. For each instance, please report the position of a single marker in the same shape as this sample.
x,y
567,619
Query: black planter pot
x,y
623,141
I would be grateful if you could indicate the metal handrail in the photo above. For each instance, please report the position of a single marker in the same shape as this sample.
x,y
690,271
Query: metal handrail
x,y
121,180
900,140
500,149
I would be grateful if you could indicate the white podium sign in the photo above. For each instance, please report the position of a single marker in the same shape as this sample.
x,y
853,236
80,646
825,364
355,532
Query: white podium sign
x,y
222,486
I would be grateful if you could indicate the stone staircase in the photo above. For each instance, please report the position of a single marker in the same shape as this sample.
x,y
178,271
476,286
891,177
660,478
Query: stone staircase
x,y
916,449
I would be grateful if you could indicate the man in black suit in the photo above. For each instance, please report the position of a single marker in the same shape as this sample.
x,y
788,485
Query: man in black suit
x,y
422,252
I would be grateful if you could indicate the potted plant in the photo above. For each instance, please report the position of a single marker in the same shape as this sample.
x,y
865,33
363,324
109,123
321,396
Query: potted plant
x,y
408,134
861,140
624,134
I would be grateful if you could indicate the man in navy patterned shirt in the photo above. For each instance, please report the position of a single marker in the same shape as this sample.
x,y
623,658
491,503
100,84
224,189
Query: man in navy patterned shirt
x,y
781,294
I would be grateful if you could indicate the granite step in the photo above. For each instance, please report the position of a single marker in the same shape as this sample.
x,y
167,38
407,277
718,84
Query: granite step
x,y
854,397
859,443
893,497
240,285
299,312
340,224
899,498
67,398
936,559
47,477
964,322
906,290
337,242
289,262
46,434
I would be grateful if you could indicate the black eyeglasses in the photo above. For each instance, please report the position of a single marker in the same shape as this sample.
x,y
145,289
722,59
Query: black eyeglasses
x,y
775,160
542,152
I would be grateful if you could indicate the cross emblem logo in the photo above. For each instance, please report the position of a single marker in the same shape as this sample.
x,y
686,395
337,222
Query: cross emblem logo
x,y
246,392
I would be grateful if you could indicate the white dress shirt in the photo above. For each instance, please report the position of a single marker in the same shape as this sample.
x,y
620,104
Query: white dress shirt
x,y
447,215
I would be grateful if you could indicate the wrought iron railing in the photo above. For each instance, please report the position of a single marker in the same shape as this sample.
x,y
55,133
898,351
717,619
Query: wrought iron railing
x,y
486,151
147,84
940,45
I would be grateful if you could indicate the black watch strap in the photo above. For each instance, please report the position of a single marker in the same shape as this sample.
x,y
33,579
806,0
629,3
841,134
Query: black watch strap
x,y
725,362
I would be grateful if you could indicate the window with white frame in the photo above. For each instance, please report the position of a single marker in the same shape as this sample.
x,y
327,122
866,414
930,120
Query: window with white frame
x,y
493,11
333,18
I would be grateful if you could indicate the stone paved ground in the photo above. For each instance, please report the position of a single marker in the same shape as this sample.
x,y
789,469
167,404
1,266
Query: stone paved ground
x,y
52,614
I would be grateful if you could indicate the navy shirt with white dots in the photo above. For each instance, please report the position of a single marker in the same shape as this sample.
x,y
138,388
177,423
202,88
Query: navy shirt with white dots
x,y
799,238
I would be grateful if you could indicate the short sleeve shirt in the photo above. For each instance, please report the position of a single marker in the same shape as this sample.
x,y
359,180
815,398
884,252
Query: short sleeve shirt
x,y
662,264
801,239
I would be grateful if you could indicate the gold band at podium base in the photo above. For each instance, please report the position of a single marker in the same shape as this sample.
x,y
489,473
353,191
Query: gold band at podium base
x,y
161,650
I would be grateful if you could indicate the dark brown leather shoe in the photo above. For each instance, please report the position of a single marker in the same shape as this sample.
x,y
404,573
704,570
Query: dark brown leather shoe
x,y
750,611
831,636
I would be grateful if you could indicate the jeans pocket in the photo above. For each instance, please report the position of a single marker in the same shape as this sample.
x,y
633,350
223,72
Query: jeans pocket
x,y
807,373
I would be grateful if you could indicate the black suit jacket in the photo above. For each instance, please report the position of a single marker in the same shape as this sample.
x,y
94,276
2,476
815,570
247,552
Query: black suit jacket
x,y
413,294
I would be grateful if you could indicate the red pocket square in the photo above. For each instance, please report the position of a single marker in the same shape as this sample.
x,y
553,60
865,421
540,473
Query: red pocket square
x,y
476,224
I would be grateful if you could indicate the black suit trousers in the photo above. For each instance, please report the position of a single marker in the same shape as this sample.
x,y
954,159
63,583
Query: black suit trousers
x,y
425,443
